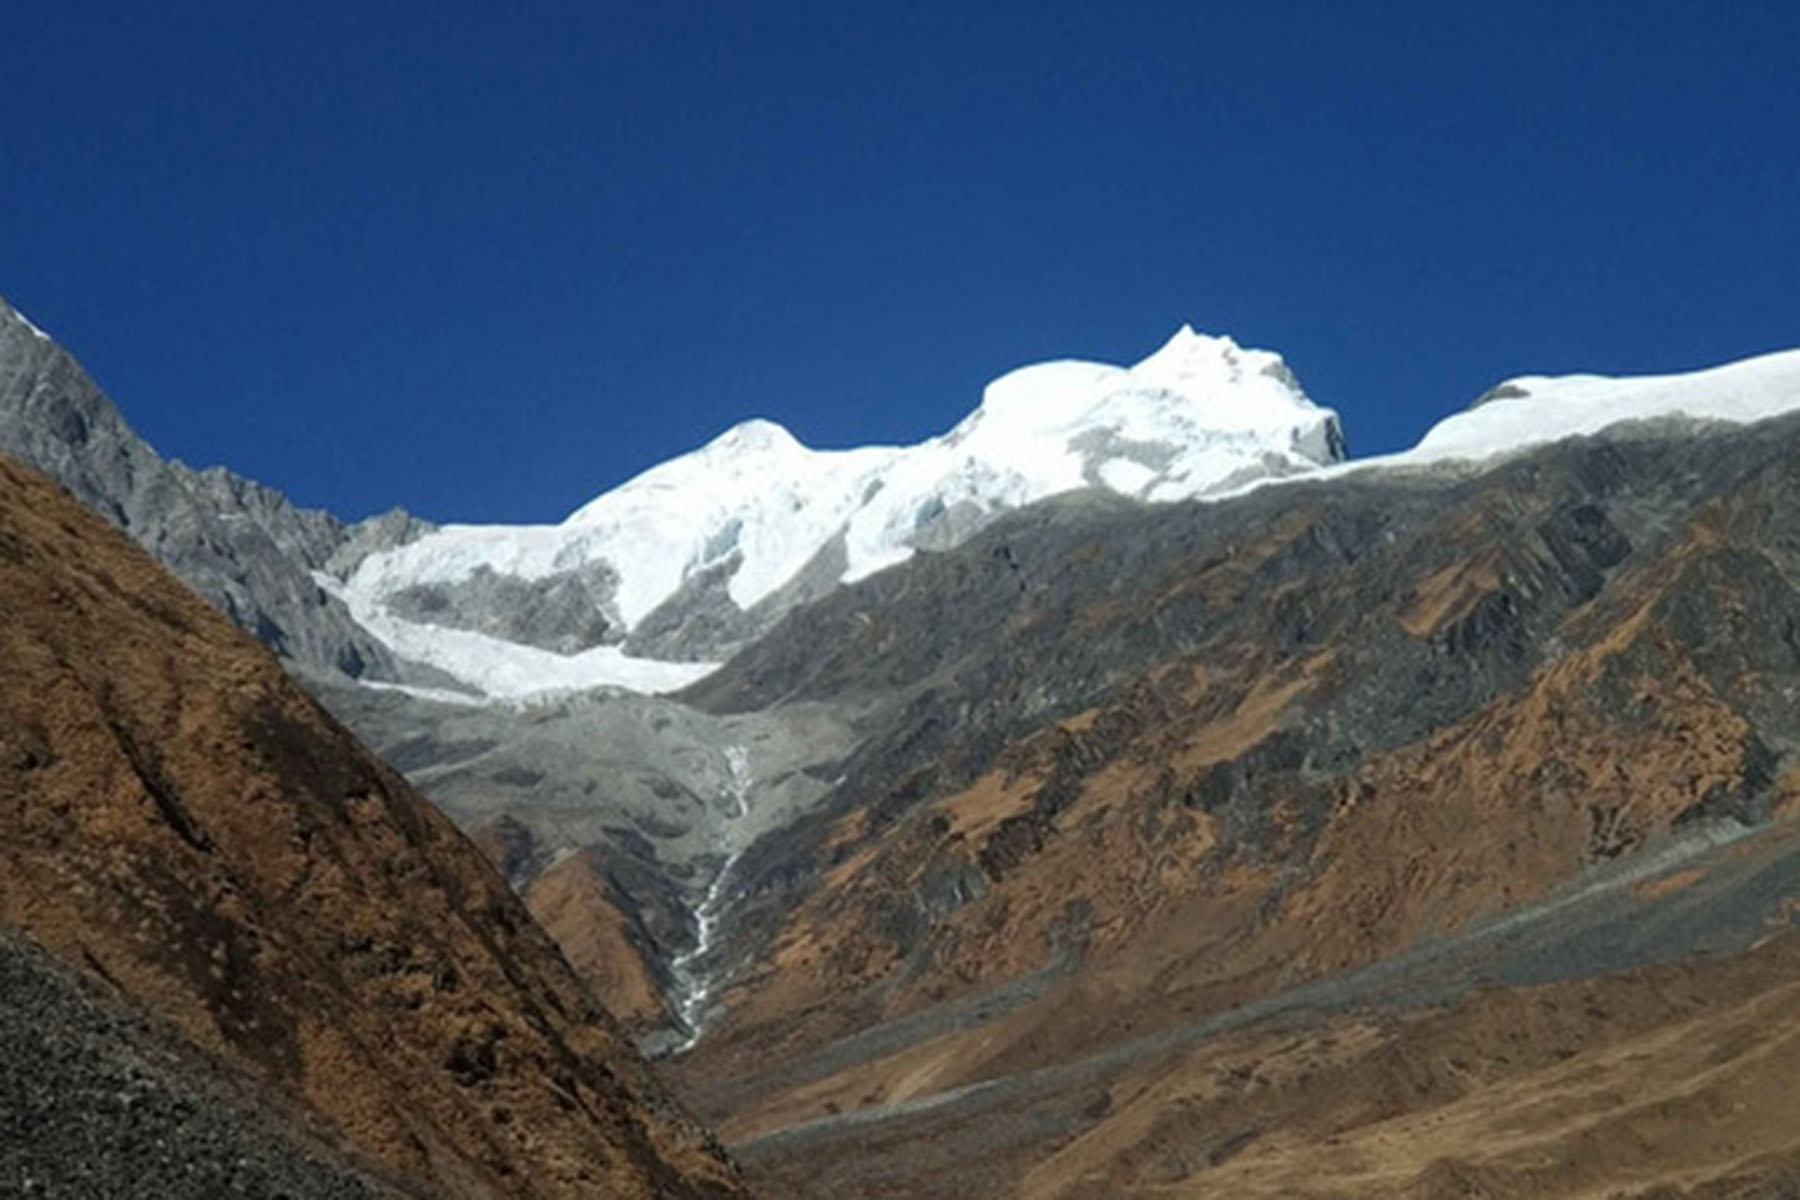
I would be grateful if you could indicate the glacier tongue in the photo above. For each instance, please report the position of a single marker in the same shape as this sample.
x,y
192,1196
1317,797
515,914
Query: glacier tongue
x,y
754,505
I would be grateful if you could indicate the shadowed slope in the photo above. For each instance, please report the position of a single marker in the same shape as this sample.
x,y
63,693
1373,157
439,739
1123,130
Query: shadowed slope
x,y
98,1100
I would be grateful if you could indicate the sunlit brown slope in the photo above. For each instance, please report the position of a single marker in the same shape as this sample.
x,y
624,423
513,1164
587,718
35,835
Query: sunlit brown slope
x,y
1183,841
1178,773
178,817
578,906
576,902
1673,1083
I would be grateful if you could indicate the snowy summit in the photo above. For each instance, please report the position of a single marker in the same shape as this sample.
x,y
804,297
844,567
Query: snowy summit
x,y
650,584
735,532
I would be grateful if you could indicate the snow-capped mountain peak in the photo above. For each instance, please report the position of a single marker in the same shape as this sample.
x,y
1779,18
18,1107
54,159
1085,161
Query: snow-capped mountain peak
x,y
757,439
757,433
1213,381
1216,368
750,522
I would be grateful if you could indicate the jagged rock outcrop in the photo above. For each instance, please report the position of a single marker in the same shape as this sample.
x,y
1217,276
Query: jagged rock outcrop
x,y
243,546
178,817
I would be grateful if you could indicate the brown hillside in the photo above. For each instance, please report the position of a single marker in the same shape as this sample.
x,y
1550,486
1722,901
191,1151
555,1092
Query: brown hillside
x,y
1101,839
178,817
1305,764
579,907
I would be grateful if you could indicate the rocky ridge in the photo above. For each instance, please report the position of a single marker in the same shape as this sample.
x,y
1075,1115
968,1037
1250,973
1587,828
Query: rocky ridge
x,y
1245,751
243,546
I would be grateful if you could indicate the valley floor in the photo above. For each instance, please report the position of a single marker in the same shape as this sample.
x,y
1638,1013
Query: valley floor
x,y
1632,1035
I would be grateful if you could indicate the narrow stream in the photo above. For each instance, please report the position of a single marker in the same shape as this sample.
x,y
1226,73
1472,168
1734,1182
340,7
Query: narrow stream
x,y
696,982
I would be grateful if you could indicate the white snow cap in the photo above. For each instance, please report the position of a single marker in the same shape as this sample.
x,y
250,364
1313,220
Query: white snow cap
x,y
1532,410
1200,415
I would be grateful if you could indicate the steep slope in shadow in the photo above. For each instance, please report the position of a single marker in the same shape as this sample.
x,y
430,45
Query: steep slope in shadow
x,y
181,819
98,1099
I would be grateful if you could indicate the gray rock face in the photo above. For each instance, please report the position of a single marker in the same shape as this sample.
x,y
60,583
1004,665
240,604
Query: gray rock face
x,y
243,546
647,783
665,800
699,623
567,613
98,1100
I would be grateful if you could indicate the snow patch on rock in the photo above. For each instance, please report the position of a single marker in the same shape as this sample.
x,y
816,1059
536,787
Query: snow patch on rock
x,y
26,321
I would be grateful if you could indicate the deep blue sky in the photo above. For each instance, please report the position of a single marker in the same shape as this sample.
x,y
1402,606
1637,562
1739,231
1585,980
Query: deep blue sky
x,y
487,260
